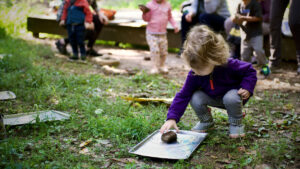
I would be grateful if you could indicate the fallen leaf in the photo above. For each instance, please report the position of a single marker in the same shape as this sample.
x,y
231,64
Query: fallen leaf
x,y
241,149
83,144
84,151
214,157
224,161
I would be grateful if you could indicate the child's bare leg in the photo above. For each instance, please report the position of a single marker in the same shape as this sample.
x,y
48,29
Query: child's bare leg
x,y
153,43
233,104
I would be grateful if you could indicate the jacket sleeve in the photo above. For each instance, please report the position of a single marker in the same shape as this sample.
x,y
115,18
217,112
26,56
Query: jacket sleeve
x,y
247,73
147,16
65,10
87,12
211,6
182,98
171,19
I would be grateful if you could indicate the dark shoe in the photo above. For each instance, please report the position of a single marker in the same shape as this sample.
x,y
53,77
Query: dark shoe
x,y
2,128
92,53
83,57
74,57
61,47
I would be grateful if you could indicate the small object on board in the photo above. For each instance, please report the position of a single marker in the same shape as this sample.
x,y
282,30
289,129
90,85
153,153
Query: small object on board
x,y
169,137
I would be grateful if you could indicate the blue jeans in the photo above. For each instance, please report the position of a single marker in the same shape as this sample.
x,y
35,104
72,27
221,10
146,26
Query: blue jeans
x,y
76,35
231,101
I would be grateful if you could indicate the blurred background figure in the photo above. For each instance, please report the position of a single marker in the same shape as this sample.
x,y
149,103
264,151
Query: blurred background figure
x,y
278,8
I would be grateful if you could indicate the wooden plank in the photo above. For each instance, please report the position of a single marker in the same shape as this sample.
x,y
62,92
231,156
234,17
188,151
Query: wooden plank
x,y
119,32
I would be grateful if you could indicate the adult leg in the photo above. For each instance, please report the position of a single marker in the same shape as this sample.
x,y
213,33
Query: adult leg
x,y
294,22
277,11
92,36
185,26
216,22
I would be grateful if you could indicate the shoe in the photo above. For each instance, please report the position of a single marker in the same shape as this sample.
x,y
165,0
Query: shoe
x,y
83,57
147,58
92,52
74,57
236,131
202,127
265,70
61,47
154,71
164,70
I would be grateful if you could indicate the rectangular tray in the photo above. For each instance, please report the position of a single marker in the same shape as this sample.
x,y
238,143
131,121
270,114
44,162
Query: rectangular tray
x,y
153,146
29,118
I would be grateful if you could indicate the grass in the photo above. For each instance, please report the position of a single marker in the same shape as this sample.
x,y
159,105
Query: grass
x,y
43,82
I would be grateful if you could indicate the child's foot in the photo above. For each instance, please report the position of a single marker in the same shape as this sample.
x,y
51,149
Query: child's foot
x,y
74,57
164,70
265,70
202,127
154,71
236,131
61,47
83,57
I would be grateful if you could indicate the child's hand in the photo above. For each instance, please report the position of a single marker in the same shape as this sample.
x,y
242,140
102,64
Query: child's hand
x,y
89,26
245,94
103,19
169,124
144,9
62,23
176,30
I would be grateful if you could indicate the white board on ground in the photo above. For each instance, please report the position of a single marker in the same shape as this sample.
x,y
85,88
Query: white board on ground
x,y
29,118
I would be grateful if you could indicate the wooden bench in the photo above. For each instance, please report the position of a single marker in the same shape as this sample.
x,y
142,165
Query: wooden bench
x,y
119,30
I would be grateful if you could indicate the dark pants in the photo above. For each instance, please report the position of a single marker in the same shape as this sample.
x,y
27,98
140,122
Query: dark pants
x,y
186,26
92,35
277,11
215,22
76,37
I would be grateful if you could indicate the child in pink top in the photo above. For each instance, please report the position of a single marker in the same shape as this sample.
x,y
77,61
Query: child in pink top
x,y
158,13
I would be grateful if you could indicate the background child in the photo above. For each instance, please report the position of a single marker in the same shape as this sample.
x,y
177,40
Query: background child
x,y
214,80
157,13
249,17
77,15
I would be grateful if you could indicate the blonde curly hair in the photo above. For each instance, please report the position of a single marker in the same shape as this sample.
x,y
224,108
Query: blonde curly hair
x,y
203,46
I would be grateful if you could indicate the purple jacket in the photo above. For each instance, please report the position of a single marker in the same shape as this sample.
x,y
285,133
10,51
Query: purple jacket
x,y
235,74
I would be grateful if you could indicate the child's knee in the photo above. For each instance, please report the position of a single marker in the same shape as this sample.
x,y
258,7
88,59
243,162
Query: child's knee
x,y
198,99
232,98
